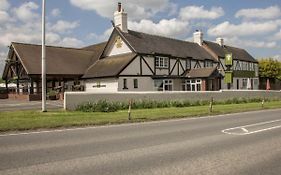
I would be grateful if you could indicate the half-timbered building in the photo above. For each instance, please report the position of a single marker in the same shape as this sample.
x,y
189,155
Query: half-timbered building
x,y
131,61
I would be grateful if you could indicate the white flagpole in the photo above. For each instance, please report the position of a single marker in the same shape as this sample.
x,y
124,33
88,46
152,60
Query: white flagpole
x,y
43,59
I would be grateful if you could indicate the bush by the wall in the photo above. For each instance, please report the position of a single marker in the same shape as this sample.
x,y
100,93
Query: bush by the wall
x,y
106,106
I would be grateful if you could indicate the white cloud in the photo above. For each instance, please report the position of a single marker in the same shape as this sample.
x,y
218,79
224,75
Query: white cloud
x,y
26,12
100,37
56,12
259,13
277,36
199,12
277,57
136,9
4,5
4,16
62,26
235,41
170,28
71,42
244,29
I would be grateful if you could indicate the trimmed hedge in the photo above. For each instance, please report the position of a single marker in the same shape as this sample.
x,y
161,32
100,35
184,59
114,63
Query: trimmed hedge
x,y
107,106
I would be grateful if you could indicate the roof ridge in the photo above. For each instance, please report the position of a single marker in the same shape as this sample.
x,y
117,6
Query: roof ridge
x,y
83,48
166,37
225,45
52,46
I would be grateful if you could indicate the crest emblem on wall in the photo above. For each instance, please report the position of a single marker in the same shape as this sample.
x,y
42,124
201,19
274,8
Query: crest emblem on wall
x,y
118,42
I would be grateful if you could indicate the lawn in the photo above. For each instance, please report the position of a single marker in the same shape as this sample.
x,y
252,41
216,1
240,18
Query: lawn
x,y
31,120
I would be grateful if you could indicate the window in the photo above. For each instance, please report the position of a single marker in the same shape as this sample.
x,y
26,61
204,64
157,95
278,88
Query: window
x,y
163,85
125,84
188,64
136,83
208,63
161,62
244,83
168,85
192,85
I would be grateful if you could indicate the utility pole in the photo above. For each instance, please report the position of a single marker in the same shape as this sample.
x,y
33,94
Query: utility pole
x,y
43,59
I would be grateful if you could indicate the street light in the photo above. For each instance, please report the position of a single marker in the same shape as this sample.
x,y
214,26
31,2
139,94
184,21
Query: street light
x,y
43,59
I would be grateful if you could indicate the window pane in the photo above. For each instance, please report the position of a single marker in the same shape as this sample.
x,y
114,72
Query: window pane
x,y
125,84
188,87
198,86
135,83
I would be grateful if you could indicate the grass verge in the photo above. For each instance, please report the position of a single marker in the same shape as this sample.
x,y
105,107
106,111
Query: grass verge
x,y
31,120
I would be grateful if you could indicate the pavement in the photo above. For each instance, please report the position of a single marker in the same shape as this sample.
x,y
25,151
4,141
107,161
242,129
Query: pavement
x,y
18,105
242,143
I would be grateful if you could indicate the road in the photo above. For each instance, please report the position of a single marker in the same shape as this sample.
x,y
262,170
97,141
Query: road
x,y
245,143
19,105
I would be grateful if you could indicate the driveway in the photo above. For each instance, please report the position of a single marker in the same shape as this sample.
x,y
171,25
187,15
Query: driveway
x,y
17,105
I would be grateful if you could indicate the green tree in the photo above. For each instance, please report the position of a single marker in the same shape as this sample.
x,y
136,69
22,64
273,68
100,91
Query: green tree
x,y
270,68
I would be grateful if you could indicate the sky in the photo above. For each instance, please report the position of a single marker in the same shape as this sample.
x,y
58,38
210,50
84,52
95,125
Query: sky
x,y
251,24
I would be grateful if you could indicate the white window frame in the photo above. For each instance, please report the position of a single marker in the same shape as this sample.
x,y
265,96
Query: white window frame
x,y
191,83
164,83
161,62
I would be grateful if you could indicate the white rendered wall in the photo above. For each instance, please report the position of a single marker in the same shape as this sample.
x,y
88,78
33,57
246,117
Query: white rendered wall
x,y
144,84
106,85
114,49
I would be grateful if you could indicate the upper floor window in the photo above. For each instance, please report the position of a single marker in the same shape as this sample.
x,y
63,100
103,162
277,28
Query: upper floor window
x,y
188,64
208,63
161,62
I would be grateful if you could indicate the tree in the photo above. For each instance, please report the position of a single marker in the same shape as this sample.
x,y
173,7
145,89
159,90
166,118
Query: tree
x,y
270,68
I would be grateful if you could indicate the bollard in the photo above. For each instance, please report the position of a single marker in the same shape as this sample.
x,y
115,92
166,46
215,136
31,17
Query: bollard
x,y
129,111
211,105
262,103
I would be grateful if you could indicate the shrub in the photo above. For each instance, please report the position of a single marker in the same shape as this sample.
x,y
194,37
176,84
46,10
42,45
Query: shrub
x,y
106,106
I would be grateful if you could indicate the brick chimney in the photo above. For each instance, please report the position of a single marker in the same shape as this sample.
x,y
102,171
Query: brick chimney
x,y
220,41
120,19
198,37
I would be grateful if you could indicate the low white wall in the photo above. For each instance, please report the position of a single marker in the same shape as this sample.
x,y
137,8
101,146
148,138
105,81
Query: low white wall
x,y
101,85
73,99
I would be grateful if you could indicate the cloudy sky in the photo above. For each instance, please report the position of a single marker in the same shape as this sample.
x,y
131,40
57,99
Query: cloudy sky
x,y
251,24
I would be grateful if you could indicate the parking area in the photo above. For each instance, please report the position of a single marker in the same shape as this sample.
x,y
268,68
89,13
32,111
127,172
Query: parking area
x,y
17,105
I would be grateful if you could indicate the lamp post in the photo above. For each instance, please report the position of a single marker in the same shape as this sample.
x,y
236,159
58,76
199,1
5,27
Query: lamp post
x,y
43,59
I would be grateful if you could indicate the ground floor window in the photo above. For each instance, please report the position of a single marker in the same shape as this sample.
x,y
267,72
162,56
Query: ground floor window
x,y
136,85
192,85
163,85
244,83
125,83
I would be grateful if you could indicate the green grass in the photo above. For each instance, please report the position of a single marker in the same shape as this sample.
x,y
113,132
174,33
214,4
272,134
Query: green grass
x,y
31,120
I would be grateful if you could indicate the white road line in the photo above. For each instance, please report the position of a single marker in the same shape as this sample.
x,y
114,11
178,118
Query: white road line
x,y
134,124
246,132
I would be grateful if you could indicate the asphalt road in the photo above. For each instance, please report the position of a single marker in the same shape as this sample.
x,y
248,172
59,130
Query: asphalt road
x,y
246,143
19,105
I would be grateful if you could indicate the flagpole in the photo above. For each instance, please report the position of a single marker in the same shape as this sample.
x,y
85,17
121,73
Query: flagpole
x,y
43,59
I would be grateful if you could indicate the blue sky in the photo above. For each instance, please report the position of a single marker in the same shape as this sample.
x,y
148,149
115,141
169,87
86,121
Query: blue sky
x,y
252,24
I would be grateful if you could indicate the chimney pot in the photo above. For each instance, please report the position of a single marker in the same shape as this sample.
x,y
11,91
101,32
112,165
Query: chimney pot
x,y
119,7
120,19
198,37
220,41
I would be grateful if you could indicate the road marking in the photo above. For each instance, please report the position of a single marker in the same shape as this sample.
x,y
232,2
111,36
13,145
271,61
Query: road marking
x,y
134,124
235,130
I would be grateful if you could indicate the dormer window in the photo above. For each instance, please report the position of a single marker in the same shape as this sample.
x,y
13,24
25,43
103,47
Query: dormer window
x,y
161,62
208,63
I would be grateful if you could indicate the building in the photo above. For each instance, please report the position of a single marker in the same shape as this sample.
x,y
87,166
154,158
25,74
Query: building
x,y
131,61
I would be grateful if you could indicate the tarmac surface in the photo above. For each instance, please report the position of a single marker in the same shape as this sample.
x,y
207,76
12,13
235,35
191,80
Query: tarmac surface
x,y
18,105
242,143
